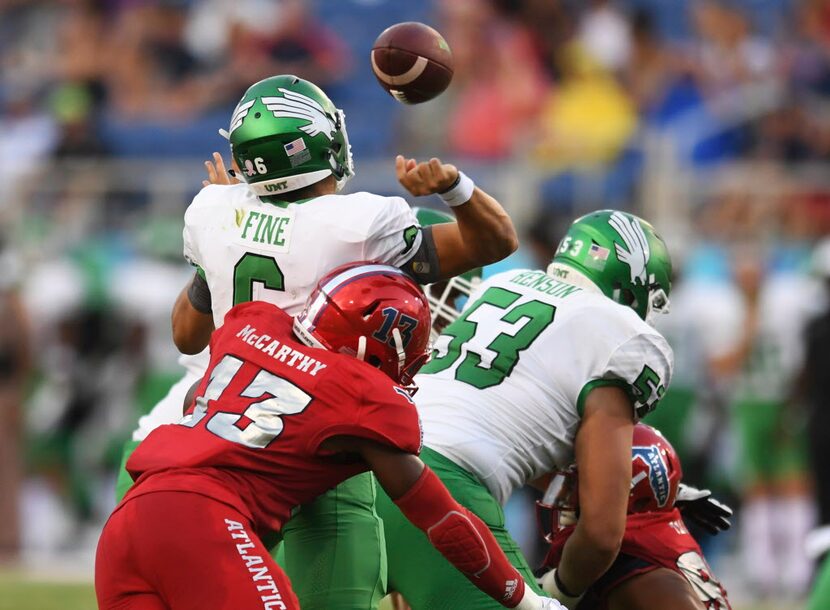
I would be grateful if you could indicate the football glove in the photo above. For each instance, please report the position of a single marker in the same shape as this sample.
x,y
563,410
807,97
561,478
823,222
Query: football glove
x,y
699,506
532,601
549,603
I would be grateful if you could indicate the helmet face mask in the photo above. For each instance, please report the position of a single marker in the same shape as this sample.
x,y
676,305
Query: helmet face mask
x,y
286,134
374,313
559,507
623,256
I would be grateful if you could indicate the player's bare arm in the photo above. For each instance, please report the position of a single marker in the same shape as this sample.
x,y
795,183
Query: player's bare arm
x,y
484,232
192,327
603,457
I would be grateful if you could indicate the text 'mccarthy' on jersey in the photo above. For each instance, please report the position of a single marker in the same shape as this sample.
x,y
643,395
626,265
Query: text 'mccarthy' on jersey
x,y
250,250
253,439
505,389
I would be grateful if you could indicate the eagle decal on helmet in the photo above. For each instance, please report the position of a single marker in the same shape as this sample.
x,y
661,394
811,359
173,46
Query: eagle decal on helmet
x,y
239,115
636,252
287,134
294,105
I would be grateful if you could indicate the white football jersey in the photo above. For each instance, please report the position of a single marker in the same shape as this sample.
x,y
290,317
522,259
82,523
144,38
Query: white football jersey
x,y
250,250
504,392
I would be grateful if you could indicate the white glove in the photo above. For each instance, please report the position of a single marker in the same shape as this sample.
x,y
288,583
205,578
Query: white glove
x,y
532,601
550,586
548,603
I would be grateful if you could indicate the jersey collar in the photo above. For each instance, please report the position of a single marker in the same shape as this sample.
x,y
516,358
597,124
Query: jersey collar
x,y
569,275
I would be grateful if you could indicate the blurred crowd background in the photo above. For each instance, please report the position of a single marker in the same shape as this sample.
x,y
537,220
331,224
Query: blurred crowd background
x,y
709,118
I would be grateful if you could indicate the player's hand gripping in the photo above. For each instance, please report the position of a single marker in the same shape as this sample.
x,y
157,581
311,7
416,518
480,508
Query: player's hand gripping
x,y
699,506
217,174
425,178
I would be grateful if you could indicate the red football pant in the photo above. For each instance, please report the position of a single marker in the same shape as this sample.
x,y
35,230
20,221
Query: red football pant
x,y
171,550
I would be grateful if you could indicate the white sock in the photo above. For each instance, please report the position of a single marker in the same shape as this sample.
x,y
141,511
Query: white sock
x,y
793,517
756,545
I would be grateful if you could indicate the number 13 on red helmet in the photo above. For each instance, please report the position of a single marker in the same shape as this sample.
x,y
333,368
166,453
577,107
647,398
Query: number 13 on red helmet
x,y
375,313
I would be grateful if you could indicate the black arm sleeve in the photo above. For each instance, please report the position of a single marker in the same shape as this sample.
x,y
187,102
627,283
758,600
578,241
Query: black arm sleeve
x,y
199,294
424,266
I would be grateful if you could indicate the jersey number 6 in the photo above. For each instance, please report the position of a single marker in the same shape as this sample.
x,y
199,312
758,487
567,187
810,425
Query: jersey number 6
x,y
255,268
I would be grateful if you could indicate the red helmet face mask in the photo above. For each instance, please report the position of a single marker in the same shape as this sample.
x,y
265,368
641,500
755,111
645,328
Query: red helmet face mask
x,y
559,507
655,477
375,313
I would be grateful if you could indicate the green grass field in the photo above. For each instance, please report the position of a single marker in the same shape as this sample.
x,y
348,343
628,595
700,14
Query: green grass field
x,y
18,593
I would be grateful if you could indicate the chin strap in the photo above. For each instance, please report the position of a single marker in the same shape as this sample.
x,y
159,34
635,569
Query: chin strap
x,y
361,348
396,335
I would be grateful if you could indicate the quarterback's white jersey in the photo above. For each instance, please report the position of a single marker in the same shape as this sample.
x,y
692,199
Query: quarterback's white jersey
x,y
504,392
250,250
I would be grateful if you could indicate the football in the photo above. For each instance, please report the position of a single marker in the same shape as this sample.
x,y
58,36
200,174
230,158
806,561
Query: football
x,y
412,62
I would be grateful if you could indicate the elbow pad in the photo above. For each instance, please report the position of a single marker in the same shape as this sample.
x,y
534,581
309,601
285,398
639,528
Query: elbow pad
x,y
462,538
424,265
199,294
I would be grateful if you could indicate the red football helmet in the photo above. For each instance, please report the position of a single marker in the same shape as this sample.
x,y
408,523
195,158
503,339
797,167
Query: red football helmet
x,y
375,313
655,472
655,477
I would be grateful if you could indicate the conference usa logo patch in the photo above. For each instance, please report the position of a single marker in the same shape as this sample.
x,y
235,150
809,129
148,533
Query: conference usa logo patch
x,y
658,472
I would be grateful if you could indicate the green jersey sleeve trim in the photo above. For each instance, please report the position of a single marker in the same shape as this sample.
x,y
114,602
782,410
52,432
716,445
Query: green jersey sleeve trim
x,y
596,383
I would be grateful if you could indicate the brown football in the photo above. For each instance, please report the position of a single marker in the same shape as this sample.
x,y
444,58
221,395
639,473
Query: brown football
x,y
412,62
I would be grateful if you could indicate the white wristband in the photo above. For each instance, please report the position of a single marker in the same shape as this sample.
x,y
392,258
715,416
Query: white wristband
x,y
460,192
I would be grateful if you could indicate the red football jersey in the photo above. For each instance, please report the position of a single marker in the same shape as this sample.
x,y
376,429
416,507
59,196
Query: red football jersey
x,y
263,409
662,540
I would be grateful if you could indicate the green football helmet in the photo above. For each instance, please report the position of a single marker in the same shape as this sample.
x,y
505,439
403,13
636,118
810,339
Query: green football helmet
x,y
442,295
286,134
623,256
